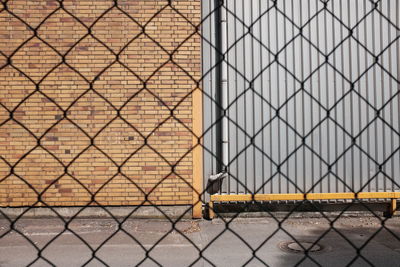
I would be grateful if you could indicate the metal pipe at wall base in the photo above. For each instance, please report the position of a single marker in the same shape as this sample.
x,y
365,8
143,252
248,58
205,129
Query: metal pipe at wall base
x,y
302,210
390,211
306,196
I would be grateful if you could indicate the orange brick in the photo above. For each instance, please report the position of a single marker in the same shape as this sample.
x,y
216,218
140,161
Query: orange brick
x,y
90,95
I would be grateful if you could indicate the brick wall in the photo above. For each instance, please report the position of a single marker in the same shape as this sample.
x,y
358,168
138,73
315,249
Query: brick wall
x,y
72,106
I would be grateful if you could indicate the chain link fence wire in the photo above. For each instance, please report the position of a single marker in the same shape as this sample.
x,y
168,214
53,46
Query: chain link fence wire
x,y
380,59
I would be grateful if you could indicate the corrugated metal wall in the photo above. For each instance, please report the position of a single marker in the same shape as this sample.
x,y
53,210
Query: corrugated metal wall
x,y
313,95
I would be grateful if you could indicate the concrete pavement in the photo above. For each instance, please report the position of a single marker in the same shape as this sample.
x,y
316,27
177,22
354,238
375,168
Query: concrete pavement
x,y
221,244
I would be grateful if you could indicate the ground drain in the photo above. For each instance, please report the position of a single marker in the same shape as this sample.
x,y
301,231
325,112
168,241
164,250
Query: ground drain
x,y
300,247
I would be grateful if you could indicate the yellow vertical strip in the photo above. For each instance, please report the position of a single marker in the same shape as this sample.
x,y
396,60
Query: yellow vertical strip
x,y
211,213
197,98
393,207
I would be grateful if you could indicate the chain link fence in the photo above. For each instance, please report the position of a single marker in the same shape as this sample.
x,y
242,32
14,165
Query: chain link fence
x,y
274,75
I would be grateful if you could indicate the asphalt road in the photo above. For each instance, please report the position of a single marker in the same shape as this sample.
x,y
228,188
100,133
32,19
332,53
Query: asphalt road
x,y
221,244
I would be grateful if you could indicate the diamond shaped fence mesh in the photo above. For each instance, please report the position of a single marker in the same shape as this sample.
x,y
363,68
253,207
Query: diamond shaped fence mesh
x,y
211,109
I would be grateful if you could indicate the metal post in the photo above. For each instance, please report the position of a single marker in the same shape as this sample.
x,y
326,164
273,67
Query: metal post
x,y
218,93
221,98
224,88
222,85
